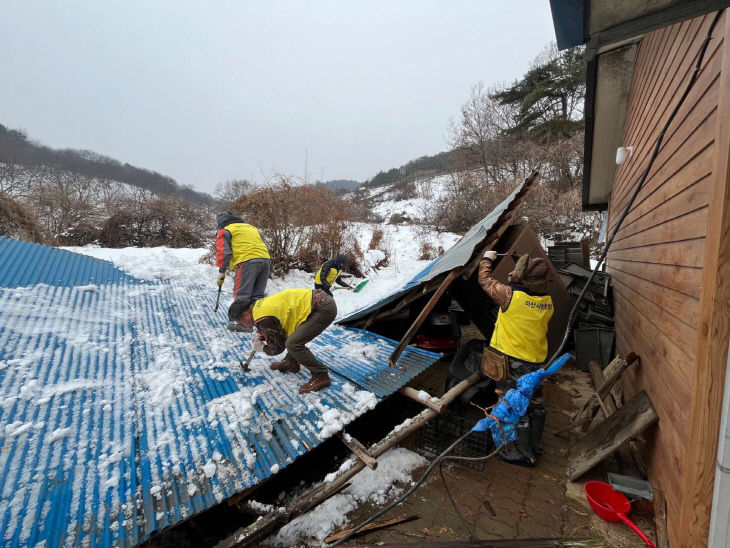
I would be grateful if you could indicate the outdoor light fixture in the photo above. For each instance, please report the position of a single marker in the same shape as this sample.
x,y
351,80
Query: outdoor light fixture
x,y
622,153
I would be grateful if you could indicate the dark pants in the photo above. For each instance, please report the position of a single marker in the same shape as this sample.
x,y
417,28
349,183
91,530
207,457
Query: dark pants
x,y
325,288
250,280
315,323
529,430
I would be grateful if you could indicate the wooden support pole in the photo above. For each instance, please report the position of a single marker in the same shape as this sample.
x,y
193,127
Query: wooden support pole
x,y
259,530
423,315
372,527
413,394
359,451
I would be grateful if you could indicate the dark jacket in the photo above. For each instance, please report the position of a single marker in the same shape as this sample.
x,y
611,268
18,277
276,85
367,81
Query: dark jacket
x,y
338,263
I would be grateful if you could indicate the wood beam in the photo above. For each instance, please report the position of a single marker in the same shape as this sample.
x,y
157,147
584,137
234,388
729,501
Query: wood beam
x,y
713,330
423,315
359,451
412,393
259,530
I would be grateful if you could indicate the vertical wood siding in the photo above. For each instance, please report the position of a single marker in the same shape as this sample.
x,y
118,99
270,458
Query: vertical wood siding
x,y
657,258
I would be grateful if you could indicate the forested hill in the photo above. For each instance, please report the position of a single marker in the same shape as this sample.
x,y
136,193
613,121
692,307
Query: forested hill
x,y
436,164
17,148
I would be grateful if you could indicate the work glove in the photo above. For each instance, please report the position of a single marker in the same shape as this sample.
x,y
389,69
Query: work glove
x,y
491,255
221,278
258,345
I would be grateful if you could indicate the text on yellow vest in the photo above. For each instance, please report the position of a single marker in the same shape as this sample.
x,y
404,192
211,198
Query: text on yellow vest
x,y
521,331
291,307
246,244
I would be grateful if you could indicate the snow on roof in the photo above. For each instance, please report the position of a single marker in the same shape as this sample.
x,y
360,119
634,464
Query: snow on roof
x,y
458,255
123,408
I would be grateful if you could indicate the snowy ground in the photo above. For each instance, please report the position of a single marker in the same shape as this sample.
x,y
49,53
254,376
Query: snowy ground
x,y
400,243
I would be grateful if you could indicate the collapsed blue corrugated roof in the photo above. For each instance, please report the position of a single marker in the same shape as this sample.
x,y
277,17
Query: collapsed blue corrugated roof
x,y
458,255
123,408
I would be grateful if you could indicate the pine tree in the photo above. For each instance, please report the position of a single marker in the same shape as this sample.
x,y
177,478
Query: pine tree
x,y
549,98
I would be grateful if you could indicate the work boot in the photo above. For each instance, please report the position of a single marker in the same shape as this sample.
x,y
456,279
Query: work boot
x,y
317,382
286,365
511,455
537,424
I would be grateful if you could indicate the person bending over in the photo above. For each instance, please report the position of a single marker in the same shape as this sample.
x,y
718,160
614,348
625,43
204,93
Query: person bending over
x,y
287,321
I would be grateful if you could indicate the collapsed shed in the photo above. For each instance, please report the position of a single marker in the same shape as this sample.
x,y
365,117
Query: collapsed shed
x,y
453,277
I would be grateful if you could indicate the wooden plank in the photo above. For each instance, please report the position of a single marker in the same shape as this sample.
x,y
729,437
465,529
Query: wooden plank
x,y
660,208
259,530
657,107
681,335
632,419
700,138
681,135
681,279
423,315
675,357
359,451
372,527
660,519
660,57
688,253
713,334
683,307
413,394
691,225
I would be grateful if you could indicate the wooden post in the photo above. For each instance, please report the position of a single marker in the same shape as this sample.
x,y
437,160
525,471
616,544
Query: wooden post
x,y
713,330
259,530
413,394
423,315
359,451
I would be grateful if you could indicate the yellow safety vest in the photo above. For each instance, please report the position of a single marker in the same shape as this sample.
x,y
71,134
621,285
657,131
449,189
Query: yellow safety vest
x,y
246,243
331,276
291,307
521,331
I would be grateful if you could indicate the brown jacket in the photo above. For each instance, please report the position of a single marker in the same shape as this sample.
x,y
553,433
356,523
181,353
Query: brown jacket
x,y
273,333
499,292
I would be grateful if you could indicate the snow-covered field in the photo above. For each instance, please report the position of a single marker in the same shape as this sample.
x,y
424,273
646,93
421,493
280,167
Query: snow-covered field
x,y
182,266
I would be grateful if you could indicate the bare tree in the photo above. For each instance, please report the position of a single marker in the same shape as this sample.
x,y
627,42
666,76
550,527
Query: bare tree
x,y
230,191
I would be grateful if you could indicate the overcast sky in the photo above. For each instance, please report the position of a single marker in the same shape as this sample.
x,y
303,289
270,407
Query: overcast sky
x,y
207,91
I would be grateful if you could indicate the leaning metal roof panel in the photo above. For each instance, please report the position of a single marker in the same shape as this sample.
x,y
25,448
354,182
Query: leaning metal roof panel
x,y
123,408
457,255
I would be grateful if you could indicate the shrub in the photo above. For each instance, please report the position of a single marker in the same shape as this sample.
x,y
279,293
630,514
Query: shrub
x,y
376,238
17,221
303,226
168,221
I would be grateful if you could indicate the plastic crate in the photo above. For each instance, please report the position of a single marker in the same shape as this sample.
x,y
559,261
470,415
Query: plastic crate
x,y
438,434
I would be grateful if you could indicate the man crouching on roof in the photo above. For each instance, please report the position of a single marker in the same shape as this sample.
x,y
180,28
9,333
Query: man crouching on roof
x,y
288,320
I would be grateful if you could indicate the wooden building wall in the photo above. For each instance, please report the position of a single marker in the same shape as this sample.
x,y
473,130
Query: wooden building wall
x,y
658,256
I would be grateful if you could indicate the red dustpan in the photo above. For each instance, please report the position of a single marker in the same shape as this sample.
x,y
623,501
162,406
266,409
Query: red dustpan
x,y
611,505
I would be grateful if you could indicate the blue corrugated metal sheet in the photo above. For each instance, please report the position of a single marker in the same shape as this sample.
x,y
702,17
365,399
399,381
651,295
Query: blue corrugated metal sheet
x,y
457,255
123,409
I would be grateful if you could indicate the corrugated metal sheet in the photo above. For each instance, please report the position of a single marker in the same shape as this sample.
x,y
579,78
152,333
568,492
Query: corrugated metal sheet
x,y
458,255
123,409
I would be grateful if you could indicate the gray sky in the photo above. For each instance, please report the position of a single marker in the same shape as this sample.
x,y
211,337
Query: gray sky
x,y
209,90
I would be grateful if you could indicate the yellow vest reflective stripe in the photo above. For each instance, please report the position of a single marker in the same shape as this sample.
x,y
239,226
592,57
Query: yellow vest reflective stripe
x,y
246,243
521,331
291,307
331,276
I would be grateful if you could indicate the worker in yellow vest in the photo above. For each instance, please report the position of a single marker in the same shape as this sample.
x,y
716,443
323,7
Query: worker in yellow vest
x,y
331,272
288,320
520,333
241,249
